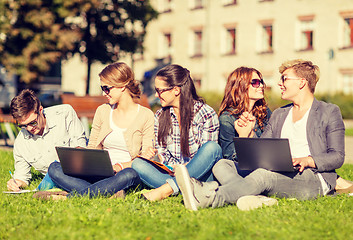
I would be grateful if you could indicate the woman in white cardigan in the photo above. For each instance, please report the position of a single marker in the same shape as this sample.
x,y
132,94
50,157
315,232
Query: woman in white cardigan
x,y
122,127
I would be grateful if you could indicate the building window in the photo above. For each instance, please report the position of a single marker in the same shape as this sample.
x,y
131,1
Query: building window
x,y
348,32
196,44
165,6
306,35
166,45
229,2
348,84
197,4
266,40
228,41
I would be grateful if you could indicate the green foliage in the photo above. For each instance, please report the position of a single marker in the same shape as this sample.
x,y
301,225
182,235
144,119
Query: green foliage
x,y
349,131
35,34
345,102
213,99
22,217
274,100
109,29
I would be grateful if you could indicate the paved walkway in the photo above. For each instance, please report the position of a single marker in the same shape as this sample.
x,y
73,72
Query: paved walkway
x,y
349,149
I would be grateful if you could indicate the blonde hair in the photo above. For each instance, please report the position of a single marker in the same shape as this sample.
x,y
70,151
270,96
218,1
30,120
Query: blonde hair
x,y
120,74
303,69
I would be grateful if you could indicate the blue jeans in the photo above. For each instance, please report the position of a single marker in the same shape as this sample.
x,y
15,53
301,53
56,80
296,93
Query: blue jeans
x,y
200,167
108,186
46,183
305,185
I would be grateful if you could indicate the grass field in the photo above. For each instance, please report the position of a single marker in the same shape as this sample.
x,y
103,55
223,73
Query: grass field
x,y
22,217
349,132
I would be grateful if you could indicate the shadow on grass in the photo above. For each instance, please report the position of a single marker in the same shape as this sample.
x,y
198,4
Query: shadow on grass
x,y
36,176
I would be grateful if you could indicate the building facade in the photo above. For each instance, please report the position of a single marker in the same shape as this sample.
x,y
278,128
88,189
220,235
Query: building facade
x,y
213,37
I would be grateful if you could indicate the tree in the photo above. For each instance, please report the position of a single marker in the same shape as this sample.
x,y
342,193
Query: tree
x,y
110,28
37,33
33,36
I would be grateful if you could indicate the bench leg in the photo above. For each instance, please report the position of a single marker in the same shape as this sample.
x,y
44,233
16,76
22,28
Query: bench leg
x,y
3,135
9,131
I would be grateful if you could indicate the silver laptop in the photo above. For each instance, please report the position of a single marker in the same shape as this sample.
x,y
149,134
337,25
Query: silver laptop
x,y
268,153
85,163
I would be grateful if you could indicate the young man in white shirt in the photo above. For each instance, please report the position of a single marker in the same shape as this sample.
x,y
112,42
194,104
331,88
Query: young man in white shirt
x,y
41,131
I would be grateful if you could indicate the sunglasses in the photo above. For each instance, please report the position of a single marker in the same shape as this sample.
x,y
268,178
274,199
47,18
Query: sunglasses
x,y
285,78
34,123
256,82
106,89
162,90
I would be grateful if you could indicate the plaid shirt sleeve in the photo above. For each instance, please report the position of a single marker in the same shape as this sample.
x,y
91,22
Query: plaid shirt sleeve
x,y
208,121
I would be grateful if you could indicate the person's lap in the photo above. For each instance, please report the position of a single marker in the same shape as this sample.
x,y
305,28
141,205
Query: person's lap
x,y
200,167
302,186
107,186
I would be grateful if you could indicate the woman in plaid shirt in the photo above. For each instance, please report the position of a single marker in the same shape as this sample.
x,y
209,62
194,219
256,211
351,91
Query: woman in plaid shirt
x,y
186,132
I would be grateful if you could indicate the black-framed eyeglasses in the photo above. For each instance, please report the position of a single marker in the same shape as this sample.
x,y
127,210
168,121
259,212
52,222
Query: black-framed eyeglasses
x,y
285,78
106,89
256,82
34,123
162,90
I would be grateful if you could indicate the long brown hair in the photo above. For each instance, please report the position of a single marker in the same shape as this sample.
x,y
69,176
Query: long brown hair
x,y
177,76
236,97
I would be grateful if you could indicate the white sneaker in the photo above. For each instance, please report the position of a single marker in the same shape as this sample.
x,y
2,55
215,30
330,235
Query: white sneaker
x,y
196,194
250,202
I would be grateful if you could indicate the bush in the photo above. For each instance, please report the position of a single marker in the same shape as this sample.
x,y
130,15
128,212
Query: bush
x,y
345,102
213,99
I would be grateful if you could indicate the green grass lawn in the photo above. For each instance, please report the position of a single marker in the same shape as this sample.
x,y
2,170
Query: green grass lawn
x,y
22,217
349,132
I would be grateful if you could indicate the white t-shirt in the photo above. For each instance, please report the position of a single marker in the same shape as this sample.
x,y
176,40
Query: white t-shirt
x,y
296,134
298,142
115,143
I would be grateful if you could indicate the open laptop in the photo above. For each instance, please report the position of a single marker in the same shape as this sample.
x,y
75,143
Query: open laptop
x,y
268,153
84,163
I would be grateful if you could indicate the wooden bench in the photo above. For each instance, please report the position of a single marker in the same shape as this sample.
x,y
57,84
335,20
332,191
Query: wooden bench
x,y
85,106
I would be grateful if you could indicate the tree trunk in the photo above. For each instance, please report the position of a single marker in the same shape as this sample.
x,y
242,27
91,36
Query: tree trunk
x,y
89,63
